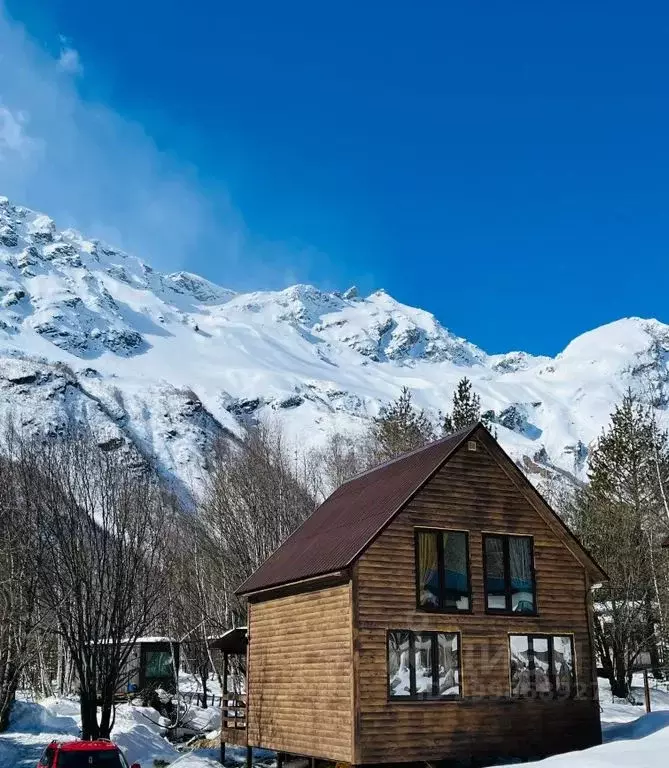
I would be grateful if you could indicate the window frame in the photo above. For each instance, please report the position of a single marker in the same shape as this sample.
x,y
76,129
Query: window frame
x,y
531,637
422,697
440,571
148,658
508,591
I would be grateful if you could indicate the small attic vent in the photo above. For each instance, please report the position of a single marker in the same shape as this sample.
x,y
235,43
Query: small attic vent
x,y
472,445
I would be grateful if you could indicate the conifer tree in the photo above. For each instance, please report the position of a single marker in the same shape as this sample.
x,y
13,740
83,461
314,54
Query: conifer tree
x,y
399,427
466,408
621,519
466,405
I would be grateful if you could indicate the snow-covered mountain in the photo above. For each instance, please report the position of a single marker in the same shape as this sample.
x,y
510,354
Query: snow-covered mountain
x,y
164,363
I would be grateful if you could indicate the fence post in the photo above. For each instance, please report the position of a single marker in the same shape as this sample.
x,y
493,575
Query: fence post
x,y
646,690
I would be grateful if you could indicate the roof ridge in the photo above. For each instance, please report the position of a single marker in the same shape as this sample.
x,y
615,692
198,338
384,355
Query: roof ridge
x,y
350,519
431,444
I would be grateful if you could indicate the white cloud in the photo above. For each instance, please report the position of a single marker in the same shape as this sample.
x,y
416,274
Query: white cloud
x,y
89,167
13,137
69,60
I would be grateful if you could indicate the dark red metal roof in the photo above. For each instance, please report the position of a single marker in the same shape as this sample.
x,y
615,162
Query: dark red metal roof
x,y
348,520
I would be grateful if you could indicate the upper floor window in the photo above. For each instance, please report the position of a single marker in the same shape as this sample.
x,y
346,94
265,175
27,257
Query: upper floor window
x,y
423,665
442,571
542,665
509,574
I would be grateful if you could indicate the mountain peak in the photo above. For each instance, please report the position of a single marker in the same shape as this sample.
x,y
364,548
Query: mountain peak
x,y
161,365
200,288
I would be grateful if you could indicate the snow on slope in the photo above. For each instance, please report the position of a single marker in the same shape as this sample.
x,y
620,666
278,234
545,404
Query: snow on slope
x,y
161,364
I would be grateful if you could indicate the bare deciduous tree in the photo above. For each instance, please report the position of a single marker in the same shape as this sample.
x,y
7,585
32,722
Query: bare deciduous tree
x,y
104,526
342,457
20,562
400,427
257,496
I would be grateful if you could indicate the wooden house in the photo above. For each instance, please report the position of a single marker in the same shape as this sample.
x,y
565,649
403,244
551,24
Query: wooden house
x,y
434,607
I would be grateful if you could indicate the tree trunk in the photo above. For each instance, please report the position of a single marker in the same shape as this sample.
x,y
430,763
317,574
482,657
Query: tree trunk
x,y
651,642
106,723
7,696
205,676
619,676
62,667
90,729
4,718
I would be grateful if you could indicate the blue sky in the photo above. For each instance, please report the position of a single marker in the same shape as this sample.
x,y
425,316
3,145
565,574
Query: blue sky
x,y
503,165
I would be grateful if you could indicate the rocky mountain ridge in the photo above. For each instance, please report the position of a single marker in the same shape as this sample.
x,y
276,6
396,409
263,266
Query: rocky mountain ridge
x,y
161,364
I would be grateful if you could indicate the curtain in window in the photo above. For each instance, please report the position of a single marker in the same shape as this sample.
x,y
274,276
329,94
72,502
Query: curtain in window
x,y
428,565
522,586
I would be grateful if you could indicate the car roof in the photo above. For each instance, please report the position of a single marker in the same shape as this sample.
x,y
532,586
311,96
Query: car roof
x,y
79,746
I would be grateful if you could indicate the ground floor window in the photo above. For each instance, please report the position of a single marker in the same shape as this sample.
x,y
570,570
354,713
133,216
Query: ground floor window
x,y
542,665
423,665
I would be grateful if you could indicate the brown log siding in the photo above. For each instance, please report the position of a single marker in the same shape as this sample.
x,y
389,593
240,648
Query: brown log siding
x,y
301,674
473,493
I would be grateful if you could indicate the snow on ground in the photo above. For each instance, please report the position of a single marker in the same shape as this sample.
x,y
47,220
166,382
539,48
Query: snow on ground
x,y
641,743
139,731
32,727
189,684
193,761
617,712
632,738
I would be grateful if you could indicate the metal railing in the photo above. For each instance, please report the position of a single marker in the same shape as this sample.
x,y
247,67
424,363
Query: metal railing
x,y
212,700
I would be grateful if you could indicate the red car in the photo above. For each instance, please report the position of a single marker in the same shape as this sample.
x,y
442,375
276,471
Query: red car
x,y
83,754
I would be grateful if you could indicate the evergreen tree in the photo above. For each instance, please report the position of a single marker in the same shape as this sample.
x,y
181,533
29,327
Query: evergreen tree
x,y
399,427
466,408
620,517
466,405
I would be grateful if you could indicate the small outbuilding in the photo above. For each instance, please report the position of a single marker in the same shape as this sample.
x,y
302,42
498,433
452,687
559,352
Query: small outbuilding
x,y
153,663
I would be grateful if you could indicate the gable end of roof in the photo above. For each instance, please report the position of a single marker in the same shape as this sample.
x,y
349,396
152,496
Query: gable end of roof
x,y
356,514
